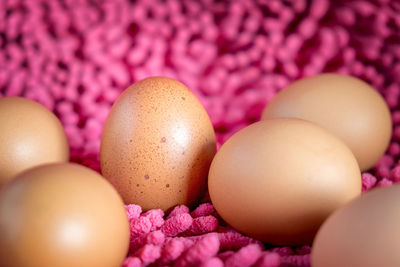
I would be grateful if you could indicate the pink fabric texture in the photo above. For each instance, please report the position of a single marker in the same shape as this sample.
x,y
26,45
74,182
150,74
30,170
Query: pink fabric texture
x,y
76,57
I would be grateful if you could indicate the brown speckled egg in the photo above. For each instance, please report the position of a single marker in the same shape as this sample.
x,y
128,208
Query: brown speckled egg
x,y
346,106
157,144
62,215
30,135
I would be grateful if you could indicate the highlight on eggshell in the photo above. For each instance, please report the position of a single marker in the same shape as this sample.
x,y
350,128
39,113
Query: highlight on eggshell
x,y
157,145
30,135
347,106
63,215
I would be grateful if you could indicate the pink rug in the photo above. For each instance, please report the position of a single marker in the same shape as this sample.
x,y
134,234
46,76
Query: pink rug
x,y
76,56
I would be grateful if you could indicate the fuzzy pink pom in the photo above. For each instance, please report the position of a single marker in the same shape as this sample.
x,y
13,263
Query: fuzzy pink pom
x,y
148,253
368,181
395,174
155,216
181,209
384,183
296,260
154,238
133,211
132,262
177,224
200,251
385,161
212,262
246,256
174,247
139,226
203,210
283,251
382,172
394,149
234,240
204,224
269,259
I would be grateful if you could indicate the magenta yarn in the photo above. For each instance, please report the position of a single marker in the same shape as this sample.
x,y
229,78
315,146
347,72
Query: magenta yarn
x,y
76,57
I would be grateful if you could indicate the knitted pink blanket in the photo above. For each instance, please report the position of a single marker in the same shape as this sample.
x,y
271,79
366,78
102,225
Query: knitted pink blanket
x,y
76,56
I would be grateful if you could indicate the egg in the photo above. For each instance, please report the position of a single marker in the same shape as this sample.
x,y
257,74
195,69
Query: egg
x,y
157,145
277,180
60,215
30,135
347,106
362,233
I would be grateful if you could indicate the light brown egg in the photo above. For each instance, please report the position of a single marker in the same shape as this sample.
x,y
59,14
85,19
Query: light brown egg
x,y
30,135
277,180
157,144
362,233
62,215
346,106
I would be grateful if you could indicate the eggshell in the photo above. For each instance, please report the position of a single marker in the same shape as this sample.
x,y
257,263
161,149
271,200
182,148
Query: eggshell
x,y
30,135
62,215
346,106
362,233
277,180
157,144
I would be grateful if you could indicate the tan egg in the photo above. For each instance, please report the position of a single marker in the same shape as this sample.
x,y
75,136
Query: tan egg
x,y
157,144
362,233
346,106
62,215
277,180
30,135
